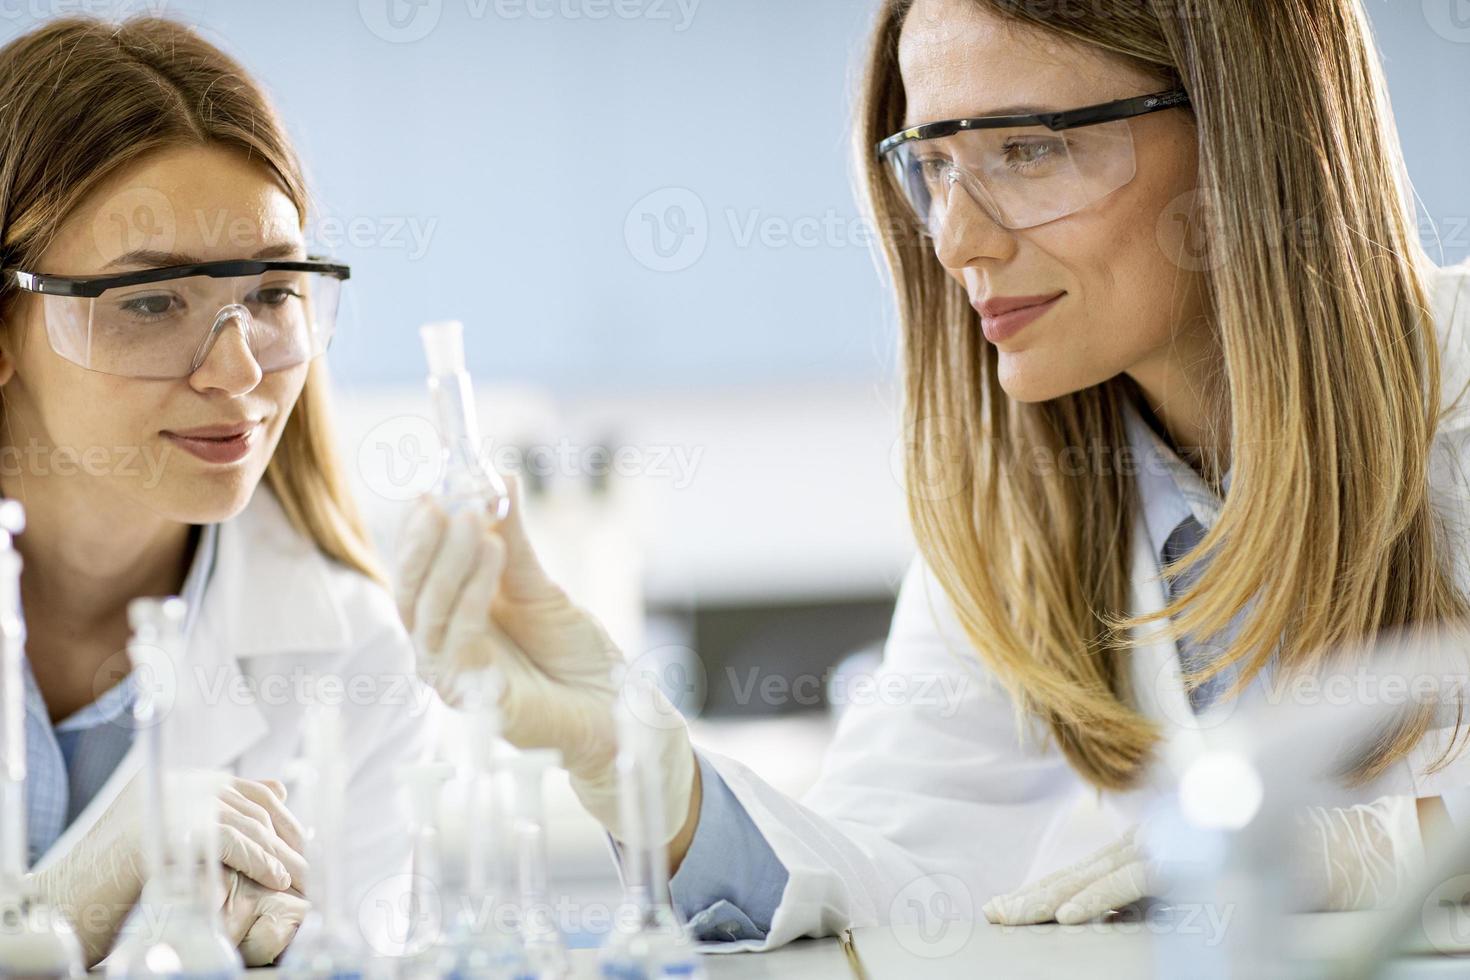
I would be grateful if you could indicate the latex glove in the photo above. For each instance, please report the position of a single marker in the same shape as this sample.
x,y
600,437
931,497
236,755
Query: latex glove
x,y
1357,857
260,921
473,594
1111,878
99,880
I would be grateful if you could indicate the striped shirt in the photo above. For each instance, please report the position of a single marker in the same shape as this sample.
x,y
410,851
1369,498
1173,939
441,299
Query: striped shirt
x,y
67,762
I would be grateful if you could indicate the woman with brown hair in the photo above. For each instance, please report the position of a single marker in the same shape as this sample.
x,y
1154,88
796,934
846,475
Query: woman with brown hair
x,y
1184,414
161,328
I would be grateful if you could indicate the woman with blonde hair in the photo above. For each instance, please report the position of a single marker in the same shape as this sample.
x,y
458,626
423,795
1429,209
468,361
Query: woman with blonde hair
x,y
161,328
1183,403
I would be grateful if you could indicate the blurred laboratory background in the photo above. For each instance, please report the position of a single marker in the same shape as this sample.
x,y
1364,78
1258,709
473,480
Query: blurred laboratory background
x,y
643,212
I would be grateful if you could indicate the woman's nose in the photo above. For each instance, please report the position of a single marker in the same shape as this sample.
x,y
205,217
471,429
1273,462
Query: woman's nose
x,y
228,365
966,232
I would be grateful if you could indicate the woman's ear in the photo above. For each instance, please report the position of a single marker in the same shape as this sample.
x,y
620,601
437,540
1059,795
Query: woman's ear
x,y
7,365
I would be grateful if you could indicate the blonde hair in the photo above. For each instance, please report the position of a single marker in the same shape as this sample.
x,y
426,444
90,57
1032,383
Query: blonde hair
x,y
80,99
1330,360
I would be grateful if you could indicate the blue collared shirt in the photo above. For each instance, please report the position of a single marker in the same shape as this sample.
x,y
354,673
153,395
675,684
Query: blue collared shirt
x,y
68,762
725,900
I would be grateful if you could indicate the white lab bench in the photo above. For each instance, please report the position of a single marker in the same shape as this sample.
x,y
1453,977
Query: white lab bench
x,y
965,951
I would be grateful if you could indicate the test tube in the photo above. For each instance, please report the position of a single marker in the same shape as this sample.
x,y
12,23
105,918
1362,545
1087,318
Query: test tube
x,y
478,945
328,946
174,930
465,480
35,941
425,783
546,950
650,939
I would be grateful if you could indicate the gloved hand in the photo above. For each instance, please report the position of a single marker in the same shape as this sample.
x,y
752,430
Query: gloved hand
x,y
1357,857
1344,858
474,595
1114,876
260,921
99,880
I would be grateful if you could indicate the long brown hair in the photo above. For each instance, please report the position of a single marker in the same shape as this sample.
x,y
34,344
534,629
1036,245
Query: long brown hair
x,y
82,98
1331,364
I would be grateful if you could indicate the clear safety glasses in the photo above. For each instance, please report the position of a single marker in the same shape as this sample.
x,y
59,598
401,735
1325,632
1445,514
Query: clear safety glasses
x,y
1022,170
162,323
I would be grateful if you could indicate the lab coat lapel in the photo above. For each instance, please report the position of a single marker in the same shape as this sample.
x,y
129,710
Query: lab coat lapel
x,y
269,593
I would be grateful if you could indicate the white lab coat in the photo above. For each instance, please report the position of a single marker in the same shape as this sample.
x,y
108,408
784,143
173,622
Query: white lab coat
x,y
275,611
932,802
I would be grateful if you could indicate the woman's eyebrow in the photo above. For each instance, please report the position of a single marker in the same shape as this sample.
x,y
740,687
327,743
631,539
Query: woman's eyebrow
x,y
159,259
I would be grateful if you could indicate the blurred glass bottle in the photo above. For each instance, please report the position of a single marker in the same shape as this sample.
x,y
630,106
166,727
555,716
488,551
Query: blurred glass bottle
x,y
650,940
174,931
465,478
36,942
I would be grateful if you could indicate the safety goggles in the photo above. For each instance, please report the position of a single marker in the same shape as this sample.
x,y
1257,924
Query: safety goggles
x,y
1022,170
162,323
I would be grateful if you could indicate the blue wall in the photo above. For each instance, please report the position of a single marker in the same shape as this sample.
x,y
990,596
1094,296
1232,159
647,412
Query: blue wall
x,y
520,148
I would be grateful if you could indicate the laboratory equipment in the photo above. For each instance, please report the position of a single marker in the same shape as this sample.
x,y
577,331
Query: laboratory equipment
x,y
465,479
425,931
285,309
329,945
649,939
480,941
174,930
36,942
546,950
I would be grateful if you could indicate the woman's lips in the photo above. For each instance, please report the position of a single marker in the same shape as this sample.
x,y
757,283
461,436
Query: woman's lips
x,y
216,449
1002,326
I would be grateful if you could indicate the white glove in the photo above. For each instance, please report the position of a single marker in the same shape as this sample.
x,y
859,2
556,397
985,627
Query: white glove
x,y
1111,878
474,596
1346,858
1357,857
260,921
99,880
